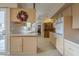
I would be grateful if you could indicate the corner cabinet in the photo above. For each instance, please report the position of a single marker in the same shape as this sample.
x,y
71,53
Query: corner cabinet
x,y
23,45
75,16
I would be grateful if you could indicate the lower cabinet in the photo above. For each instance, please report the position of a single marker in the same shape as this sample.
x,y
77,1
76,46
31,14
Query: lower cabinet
x,y
23,45
29,45
52,39
71,48
16,44
66,47
59,45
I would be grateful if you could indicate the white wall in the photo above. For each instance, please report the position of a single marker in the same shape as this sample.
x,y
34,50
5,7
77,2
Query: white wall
x,y
47,9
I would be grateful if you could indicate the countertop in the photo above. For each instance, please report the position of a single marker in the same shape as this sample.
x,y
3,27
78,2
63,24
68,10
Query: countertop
x,y
21,30
74,40
69,38
27,34
58,35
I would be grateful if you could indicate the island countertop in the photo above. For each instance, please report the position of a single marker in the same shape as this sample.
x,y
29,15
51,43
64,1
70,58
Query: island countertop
x,y
25,34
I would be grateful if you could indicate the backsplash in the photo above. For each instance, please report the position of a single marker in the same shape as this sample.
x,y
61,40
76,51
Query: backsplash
x,y
17,28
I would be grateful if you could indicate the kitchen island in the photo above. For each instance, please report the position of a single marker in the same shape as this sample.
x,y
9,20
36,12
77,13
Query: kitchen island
x,y
23,42
23,39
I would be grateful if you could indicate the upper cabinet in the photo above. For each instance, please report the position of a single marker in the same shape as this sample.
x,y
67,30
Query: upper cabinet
x,y
9,5
73,11
75,16
30,12
66,11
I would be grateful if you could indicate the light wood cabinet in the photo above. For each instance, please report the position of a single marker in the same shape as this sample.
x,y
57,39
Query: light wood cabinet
x,y
52,39
71,48
16,44
29,45
23,45
60,45
75,15
67,11
31,14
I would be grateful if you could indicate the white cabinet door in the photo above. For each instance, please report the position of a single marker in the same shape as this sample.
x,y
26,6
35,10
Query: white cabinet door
x,y
16,44
59,45
29,45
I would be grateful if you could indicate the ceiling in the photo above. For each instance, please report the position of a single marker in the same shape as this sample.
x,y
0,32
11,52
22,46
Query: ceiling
x,y
47,9
25,5
43,9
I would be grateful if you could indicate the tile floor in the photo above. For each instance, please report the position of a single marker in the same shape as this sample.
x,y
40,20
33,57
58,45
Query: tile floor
x,y
45,48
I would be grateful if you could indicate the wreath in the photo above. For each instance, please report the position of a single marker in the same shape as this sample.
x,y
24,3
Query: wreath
x,y
22,16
